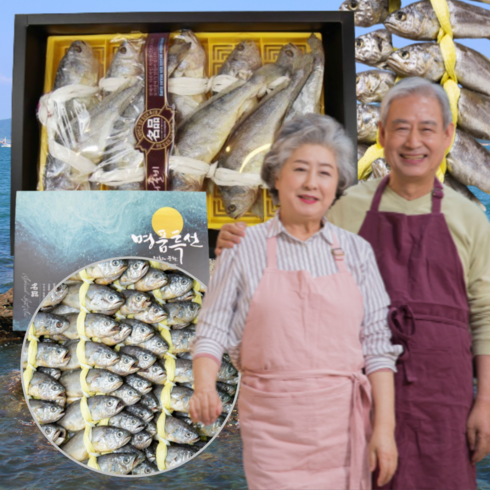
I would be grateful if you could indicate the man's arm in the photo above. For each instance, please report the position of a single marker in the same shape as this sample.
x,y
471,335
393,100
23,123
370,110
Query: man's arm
x,y
229,235
478,425
478,283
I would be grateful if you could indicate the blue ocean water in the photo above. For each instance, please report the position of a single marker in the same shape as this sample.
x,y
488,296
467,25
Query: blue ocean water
x,y
484,198
6,260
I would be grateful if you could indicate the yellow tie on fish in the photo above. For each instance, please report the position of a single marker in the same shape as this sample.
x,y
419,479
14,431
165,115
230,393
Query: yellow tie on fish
x,y
89,422
31,358
161,452
394,5
449,80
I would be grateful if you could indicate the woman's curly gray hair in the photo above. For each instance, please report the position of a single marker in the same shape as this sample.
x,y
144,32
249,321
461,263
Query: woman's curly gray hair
x,y
310,129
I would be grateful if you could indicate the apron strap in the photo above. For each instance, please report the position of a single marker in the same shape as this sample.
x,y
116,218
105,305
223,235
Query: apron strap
x,y
272,253
379,193
338,254
271,262
437,195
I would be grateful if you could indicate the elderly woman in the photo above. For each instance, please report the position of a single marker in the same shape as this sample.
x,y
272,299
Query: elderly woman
x,y
300,320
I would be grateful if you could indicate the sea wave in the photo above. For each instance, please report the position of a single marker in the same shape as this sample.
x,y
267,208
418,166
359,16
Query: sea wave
x,y
6,260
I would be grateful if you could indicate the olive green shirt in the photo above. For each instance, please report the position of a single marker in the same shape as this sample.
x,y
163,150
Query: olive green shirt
x,y
469,228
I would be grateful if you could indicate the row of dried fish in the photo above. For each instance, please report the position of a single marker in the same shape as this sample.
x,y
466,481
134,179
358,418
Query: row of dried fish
x,y
234,131
418,20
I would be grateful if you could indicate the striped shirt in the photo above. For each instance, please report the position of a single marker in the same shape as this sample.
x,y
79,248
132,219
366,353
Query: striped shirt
x,y
240,269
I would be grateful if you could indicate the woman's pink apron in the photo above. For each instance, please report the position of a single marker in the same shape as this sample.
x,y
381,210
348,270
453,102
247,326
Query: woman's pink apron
x,y
304,402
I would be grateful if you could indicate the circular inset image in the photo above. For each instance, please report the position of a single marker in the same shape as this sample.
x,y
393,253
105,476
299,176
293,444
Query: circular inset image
x,y
107,369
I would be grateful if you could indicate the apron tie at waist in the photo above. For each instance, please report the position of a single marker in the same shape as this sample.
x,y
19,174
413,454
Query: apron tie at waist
x,y
361,403
402,324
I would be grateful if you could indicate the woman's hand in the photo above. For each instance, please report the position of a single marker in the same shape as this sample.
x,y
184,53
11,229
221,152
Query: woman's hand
x,y
205,405
383,454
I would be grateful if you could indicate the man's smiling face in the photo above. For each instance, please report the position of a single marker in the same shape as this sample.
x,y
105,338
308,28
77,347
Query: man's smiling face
x,y
414,137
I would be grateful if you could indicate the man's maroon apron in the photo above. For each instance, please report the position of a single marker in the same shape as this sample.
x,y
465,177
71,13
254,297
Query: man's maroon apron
x,y
429,316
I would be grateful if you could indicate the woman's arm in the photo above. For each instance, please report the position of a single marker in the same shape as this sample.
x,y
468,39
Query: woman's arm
x,y
217,314
380,356
379,352
382,447
219,308
205,405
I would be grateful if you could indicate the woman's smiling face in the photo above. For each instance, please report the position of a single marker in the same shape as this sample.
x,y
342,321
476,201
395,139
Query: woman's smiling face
x,y
307,183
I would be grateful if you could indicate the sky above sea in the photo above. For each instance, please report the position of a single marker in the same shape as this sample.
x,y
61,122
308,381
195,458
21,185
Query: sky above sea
x,y
9,9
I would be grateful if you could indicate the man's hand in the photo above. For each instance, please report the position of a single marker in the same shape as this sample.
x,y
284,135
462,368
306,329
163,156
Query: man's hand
x,y
478,428
478,424
229,235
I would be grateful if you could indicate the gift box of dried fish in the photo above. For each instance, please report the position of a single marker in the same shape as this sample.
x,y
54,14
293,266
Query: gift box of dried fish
x,y
107,368
224,121
463,72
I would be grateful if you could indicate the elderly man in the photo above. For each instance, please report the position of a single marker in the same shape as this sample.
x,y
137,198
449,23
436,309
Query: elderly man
x,y
433,251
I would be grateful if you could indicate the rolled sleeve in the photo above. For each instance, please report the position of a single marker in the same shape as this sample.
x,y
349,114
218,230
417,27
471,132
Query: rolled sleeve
x,y
219,307
379,352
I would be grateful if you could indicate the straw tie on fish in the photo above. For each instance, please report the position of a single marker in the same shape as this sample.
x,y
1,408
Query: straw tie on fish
x,y
372,153
87,436
449,80
196,86
156,292
394,5
81,332
196,286
158,296
165,397
31,358
219,175
89,422
118,286
218,83
161,453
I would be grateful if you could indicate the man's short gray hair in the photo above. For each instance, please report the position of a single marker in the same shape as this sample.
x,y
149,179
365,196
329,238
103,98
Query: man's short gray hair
x,y
310,129
417,86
